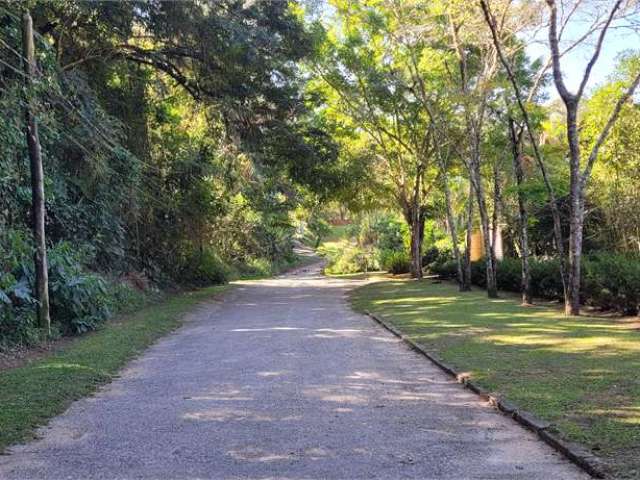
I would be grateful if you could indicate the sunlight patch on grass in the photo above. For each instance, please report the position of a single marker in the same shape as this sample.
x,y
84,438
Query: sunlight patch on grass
x,y
579,373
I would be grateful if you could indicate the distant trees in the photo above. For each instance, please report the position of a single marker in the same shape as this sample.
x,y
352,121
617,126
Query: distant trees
x,y
464,66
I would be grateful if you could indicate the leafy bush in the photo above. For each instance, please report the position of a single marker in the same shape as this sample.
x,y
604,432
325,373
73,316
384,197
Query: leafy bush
x,y
545,279
318,228
79,299
508,275
382,231
609,281
445,269
351,259
391,233
395,262
612,281
17,303
201,268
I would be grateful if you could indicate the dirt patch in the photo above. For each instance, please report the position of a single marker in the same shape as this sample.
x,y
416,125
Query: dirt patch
x,y
20,356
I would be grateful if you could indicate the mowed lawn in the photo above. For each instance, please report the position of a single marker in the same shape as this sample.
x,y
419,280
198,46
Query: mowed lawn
x,y
582,374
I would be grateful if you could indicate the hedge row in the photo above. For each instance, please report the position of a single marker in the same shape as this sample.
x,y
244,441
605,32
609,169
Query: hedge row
x,y
609,281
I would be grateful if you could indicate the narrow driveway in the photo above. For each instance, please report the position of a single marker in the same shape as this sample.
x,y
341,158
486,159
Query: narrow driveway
x,y
282,380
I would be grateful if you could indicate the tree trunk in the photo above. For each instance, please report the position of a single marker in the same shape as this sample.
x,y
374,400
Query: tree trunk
x,y
495,218
576,213
417,225
492,289
37,179
453,231
416,247
523,216
466,285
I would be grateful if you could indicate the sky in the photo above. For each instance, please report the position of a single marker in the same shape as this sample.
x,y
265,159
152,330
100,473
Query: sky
x,y
617,41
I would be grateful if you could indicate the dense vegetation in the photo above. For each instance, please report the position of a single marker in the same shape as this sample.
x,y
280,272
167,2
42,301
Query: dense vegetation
x,y
461,133
177,139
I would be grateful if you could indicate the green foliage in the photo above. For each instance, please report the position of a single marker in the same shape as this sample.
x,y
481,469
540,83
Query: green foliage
x,y
319,228
202,267
394,261
80,299
177,165
609,281
351,259
17,312
380,241
612,282
385,232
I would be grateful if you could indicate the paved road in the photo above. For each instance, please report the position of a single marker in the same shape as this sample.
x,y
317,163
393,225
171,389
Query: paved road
x,y
282,380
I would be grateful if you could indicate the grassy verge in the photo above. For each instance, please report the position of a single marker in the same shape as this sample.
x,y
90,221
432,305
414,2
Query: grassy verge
x,y
32,394
582,374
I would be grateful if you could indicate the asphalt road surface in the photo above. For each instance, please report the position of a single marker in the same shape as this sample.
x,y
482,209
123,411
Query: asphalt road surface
x,y
282,380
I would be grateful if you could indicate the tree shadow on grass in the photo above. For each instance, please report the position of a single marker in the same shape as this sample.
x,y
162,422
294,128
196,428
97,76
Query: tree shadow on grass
x,y
579,372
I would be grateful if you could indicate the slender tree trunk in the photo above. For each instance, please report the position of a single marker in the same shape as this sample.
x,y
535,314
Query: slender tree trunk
x,y
572,300
416,228
453,231
37,179
523,216
466,285
492,289
495,218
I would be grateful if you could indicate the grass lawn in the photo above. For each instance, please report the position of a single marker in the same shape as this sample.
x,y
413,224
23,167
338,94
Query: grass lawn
x,y
32,394
582,374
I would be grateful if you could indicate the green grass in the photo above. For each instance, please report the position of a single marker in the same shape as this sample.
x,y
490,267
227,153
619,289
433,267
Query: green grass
x,y
32,394
582,374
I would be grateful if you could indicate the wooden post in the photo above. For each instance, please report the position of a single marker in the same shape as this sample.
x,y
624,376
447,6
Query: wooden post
x,y
37,177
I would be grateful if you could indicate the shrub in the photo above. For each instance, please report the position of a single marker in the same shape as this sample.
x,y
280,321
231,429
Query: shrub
x,y
17,302
319,228
203,267
545,279
382,231
435,256
609,281
395,262
509,274
350,260
445,269
612,281
79,299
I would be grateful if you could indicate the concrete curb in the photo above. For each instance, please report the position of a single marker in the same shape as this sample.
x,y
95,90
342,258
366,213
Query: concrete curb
x,y
576,453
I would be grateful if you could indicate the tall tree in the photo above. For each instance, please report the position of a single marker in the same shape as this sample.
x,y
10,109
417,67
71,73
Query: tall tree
x,y
37,176
379,82
580,171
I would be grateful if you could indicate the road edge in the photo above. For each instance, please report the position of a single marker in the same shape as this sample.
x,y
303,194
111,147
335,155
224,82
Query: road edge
x,y
576,453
